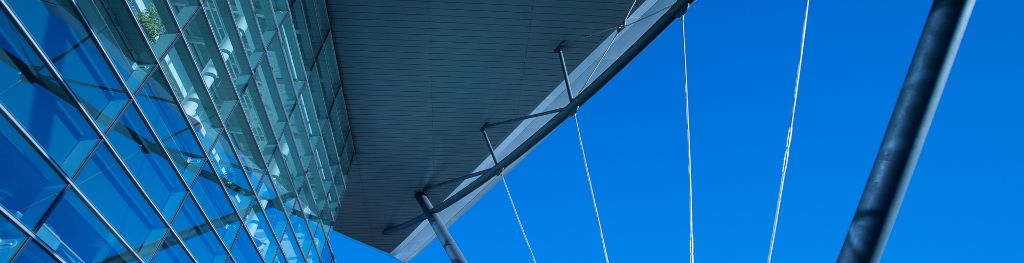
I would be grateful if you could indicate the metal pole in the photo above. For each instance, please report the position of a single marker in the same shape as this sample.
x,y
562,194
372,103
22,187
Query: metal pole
x,y
565,69
454,253
907,130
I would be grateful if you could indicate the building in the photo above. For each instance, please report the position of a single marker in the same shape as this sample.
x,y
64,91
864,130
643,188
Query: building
x,y
221,130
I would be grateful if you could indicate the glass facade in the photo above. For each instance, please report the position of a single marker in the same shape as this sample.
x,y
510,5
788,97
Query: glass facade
x,y
169,131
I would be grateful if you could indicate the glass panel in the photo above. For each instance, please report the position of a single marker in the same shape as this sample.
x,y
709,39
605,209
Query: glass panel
x,y
290,248
119,35
37,182
156,21
209,61
245,23
265,18
183,9
195,102
214,201
230,46
167,120
243,250
256,223
234,178
60,32
34,253
280,70
198,235
10,239
40,104
77,235
107,186
147,162
271,100
256,114
171,251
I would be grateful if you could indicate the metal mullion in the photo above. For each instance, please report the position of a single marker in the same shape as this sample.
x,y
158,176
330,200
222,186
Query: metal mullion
x,y
181,24
181,37
146,122
29,235
220,119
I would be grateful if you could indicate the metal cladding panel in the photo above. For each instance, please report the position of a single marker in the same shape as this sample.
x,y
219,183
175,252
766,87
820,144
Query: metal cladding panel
x,y
421,78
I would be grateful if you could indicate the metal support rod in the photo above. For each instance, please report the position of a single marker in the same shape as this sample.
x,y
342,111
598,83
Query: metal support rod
x,y
454,253
907,130
586,93
565,69
531,116
490,147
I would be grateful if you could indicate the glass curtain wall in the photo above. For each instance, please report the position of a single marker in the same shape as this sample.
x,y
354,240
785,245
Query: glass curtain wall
x,y
169,131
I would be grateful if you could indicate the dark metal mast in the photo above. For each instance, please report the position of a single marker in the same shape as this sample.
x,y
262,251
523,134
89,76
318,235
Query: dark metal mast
x,y
907,130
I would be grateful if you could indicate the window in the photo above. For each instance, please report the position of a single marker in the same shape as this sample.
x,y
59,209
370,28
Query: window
x,y
226,33
243,250
198,235
156,22
104,182
119,35
11,239
195,102
171,251
40,104
34,253
147,161
60,32
245,23
38,183
77,235
167,120
214,201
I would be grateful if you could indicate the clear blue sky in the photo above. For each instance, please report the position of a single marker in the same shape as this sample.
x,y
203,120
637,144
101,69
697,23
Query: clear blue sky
x,y
965,204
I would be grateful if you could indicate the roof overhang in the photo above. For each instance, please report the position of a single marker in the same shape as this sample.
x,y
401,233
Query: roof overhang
x,y
420,79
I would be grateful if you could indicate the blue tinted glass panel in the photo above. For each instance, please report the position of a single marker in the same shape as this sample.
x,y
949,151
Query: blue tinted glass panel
x,y
198,235
302,233
34,253
233,177
147,162
170,251
39,102
195,101
256,223
167,120
156,21
77,235
11,239
119,35
104,182
60,32
214,202
243,250
37,182
290,248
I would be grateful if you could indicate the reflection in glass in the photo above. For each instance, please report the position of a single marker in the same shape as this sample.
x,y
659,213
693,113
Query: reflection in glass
x,y
60,32
40,104
243,249
156,22
170,251
245,23
167,120
117,32
226,33
34,253
106,185
147,161
11,239
198,235
38,183
77,235
214,201
195,102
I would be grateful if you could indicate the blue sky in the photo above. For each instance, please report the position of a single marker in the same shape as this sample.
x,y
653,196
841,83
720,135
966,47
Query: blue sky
x,y
965,203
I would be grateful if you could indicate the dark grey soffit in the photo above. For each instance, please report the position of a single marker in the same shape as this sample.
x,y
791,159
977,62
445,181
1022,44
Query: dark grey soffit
x,y
421,77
